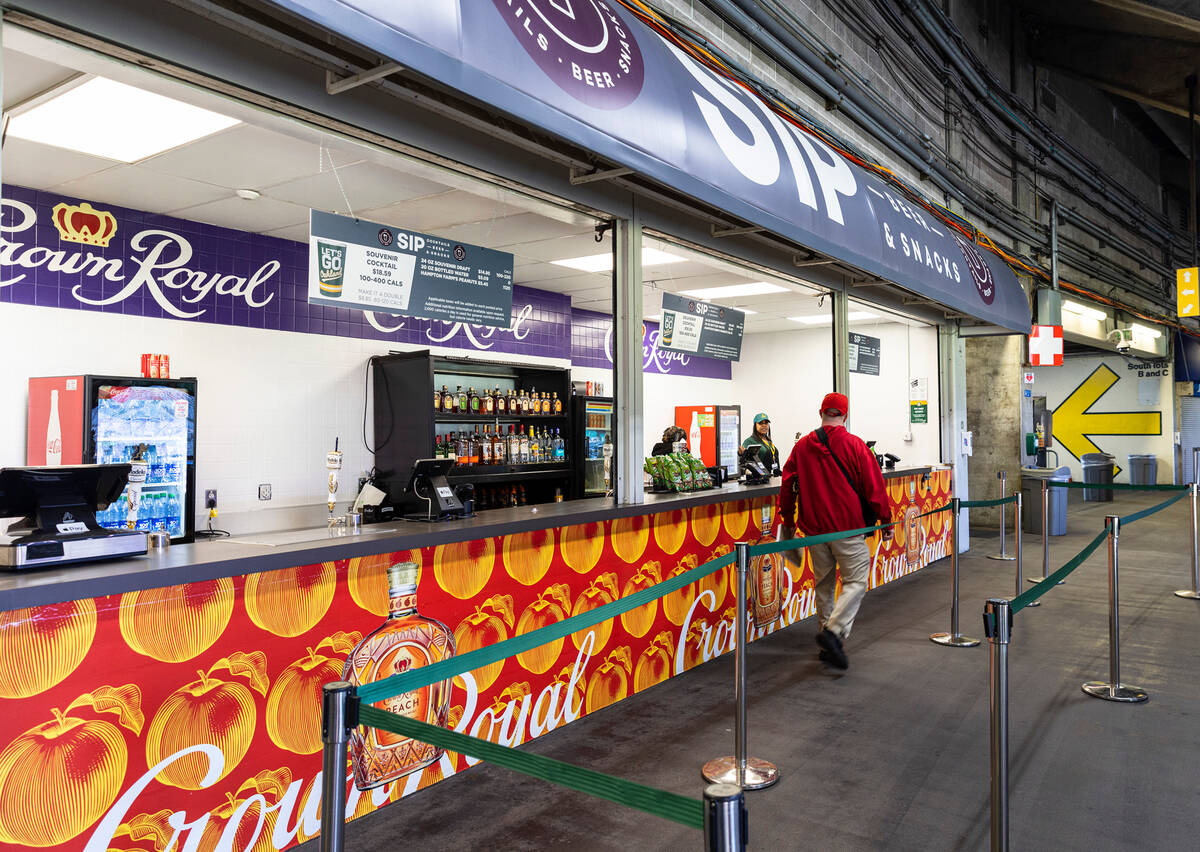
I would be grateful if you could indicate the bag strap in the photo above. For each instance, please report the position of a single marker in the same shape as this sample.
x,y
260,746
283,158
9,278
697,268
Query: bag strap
x,y
867,512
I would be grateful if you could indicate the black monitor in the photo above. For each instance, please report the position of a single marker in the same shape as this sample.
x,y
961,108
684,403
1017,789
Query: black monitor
x,y
428,482
49,494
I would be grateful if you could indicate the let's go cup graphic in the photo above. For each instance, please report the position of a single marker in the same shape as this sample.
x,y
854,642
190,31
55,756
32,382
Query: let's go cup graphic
x,y
667,332
331,268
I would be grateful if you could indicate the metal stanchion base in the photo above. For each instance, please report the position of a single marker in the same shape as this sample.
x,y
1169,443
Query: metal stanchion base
x,y
1115,692
1188,593
1003,558
723,770
1034,603
956,640
1039,579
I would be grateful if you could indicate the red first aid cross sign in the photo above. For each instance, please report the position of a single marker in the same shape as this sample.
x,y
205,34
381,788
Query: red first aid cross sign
x,y
1046,346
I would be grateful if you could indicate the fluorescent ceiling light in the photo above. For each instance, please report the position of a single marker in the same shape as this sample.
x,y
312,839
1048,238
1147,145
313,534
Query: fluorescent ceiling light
x,y
654,318
735,291
827,319
108,119
746,311
1145,331
1083,310
603,262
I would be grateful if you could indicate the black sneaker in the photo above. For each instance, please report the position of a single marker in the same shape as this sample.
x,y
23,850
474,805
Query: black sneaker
x,y
832,651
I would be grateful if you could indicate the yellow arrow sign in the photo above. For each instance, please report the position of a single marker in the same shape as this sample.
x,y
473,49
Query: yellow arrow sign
x,y
1187,291
1075,423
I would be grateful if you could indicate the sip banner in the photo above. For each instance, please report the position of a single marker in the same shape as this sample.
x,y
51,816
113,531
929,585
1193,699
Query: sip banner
x,y
701,328
377,267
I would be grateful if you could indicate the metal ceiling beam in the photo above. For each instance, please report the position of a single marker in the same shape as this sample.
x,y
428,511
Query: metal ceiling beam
x,y
1153,13
335,85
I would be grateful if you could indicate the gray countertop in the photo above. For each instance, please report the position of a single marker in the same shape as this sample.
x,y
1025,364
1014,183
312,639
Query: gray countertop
x,y
251,553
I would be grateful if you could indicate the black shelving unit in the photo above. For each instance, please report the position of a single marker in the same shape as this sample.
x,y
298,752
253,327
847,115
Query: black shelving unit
x,y
406,425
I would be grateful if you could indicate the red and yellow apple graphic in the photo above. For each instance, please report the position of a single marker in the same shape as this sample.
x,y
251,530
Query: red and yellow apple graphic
x,y
718,580
735,515
293,713
676,604
291,601
706,523
654,663
463,568
527,555
602,590
629,537
551,606
176,623
367,578
581,546
670,529
480,629
638,621
610,682
59,777
207,710
41,645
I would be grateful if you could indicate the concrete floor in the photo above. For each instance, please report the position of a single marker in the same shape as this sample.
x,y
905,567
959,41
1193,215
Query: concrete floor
x,y
893,754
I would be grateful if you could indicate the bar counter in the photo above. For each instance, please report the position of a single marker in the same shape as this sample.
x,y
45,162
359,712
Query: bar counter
x,y
175,698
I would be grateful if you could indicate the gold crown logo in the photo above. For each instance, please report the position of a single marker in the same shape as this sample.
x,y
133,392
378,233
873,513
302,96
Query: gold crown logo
x,y
81,223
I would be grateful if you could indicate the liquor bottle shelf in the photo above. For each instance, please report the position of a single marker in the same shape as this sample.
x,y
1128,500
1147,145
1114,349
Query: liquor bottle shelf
x,y
441,417
508,473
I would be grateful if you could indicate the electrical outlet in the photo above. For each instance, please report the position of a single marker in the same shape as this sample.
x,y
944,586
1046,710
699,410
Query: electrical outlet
x,y
210,498
264,491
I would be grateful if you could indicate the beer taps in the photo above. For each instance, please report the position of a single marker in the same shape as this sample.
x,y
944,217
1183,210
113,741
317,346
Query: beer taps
x,y
333,463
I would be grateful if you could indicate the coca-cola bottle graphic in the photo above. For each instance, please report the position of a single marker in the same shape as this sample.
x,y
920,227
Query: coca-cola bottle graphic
x,y
54,432
766,576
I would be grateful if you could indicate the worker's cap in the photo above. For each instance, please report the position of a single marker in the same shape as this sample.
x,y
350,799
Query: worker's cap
x,y
761,417
836,404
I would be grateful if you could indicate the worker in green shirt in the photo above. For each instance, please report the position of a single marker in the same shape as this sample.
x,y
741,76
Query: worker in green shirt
x,y
761,437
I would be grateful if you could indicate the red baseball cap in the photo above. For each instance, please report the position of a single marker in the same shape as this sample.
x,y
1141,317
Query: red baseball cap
x,y
837,403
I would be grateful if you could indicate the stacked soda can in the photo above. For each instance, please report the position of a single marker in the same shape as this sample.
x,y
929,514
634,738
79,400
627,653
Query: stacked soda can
x,y
156,365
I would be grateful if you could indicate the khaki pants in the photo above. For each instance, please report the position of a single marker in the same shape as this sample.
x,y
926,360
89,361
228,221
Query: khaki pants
x,y
854,559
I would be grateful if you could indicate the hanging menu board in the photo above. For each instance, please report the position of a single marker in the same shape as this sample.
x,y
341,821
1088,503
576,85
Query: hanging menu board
x,y
374,267
864,354
701,328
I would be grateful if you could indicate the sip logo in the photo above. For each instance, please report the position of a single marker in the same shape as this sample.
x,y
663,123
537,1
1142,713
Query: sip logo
x,y
584,46
981,273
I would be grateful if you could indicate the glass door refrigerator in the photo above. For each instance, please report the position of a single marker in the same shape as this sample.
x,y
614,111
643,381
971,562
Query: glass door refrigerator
x,y
90,419
713,433
592,447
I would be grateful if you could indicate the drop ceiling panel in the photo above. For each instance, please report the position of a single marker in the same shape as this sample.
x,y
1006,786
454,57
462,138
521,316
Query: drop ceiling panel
x,y
41,166
299,233
366,185
561,248
258,216
26,76
245,157
141,189
508,232
441,211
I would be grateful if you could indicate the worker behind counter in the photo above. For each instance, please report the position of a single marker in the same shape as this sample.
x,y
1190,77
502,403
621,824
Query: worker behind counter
x,y
671,436
761,437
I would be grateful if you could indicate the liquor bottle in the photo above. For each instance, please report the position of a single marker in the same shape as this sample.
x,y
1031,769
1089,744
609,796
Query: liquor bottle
x,y
501,402
766,576
450,449
406,641
461,450
535,447
473,401
488,402
485,446
560,447
520,495
499,448
514,445
439,451
514,404
558,406
535,405
437,401
524,448
912,528
447,401
460,401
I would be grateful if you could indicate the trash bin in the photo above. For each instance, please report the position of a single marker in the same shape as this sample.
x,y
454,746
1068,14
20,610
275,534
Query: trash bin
x,y
1031,489
1143,468
1097,470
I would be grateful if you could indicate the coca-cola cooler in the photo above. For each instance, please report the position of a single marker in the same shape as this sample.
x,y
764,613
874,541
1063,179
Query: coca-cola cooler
x,y
102,420
713,433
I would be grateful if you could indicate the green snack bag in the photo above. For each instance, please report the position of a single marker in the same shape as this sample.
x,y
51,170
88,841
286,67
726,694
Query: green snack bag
x,y
685,471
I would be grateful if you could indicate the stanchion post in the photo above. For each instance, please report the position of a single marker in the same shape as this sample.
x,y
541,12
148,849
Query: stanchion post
x,y
1194,591
725,821
747,773
1019,535
1045,534
954,638
1003,554
1114,690
997,625
1195,465
339,716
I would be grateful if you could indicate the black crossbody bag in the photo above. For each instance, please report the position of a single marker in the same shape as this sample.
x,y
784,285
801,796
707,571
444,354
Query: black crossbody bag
x,y
868,513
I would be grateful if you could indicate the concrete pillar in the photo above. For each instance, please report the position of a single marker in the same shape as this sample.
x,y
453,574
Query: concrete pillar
x,y
994,400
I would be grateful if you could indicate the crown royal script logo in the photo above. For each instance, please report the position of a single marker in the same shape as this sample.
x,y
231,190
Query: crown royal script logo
x,y
584,46
82,223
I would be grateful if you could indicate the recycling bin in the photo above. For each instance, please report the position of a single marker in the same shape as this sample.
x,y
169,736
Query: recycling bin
x,y
1097,470
1031,489
1143,468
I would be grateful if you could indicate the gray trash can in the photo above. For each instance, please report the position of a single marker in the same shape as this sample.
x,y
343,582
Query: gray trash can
x,y
1097,470
1031,489
1143,468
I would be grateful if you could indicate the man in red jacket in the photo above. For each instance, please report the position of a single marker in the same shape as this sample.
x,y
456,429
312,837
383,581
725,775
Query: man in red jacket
x,y
832,483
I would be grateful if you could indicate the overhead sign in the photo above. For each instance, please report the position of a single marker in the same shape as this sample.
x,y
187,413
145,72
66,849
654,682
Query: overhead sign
x,y
592,346
593,74
701,328
1187,291
1046,346
864,354
370,266
1075,424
